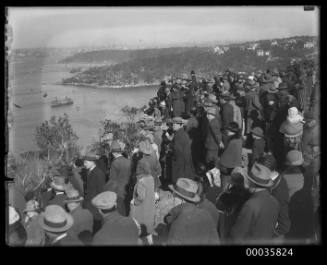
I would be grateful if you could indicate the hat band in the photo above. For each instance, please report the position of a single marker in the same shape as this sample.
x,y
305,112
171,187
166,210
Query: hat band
x,y
259,180
55,225
74,198
185,192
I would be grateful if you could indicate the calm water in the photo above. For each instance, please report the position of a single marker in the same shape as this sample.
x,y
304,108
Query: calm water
x,y
31,78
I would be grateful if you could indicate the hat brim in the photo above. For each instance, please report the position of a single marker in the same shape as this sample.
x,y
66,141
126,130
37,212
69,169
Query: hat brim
x,y
74,200
90,158
57,187
69,224
272,91
296,163
196,198
267,185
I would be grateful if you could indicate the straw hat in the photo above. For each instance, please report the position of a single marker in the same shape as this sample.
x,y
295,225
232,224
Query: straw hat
x,y
186,189
260,175
257,131
212,98
178,120
211,111
105,200
73,196
32,206
145,147
55,219
294,158
115,147
58,183
272,89
91,156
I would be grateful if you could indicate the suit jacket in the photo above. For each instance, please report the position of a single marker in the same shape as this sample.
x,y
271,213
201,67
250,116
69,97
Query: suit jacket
x,y
58,199
182,163
252,102
120,173
280,192
116,230
257,219
83,221
69,240
94,185
227,114
213,135
191,225
232,155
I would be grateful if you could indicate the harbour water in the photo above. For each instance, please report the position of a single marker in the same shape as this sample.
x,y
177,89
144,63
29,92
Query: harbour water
x,y
33,78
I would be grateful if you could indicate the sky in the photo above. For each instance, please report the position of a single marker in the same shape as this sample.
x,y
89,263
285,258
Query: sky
x,y
146,27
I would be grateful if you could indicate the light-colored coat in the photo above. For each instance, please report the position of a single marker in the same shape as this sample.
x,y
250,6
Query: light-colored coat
x,y
143,206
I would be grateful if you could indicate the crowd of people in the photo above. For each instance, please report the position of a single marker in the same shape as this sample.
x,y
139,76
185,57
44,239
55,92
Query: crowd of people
x,y
231,161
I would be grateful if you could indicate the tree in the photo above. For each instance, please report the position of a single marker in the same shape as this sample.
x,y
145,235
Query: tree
x,y
56,137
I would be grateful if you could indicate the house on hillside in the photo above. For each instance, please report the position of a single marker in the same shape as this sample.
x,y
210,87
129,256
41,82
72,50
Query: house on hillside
x,y
218,50
308,45
225,48
267,53
292,41
274,43
253,46
260,53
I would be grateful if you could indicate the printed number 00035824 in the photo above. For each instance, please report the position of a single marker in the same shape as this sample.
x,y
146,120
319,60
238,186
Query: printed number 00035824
x,y
269,252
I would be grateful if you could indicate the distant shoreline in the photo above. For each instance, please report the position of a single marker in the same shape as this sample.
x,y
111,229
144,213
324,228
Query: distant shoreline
x,y
98,86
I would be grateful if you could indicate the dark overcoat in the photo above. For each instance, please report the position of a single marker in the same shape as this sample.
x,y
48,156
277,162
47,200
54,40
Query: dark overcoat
x,y
177,103
116,230
280,192
94,185
191,225
83,221
119,176
182,163
227,114
213,135
232,155
257,219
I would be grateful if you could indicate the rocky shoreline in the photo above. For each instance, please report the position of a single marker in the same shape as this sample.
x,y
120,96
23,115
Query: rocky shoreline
x,y
105,86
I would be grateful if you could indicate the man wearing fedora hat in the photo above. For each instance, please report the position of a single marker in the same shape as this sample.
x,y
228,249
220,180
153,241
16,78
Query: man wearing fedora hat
x,y
258,145
56,223
189,224
35,233
227,111
252,102
95,182
280,191
257,219
58,186
116,229
213,137
182,162
119,176
83,218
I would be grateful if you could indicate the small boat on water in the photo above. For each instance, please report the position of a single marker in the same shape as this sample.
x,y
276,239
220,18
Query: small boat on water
x,y
61,102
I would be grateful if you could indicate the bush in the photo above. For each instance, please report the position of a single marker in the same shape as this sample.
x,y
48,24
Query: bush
x,y
57,139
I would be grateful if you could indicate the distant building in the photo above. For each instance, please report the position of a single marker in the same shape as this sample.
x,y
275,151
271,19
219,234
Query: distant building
x,y
292,41
225,48
253,46
218,50
309,45
274,43
260,53
267,53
